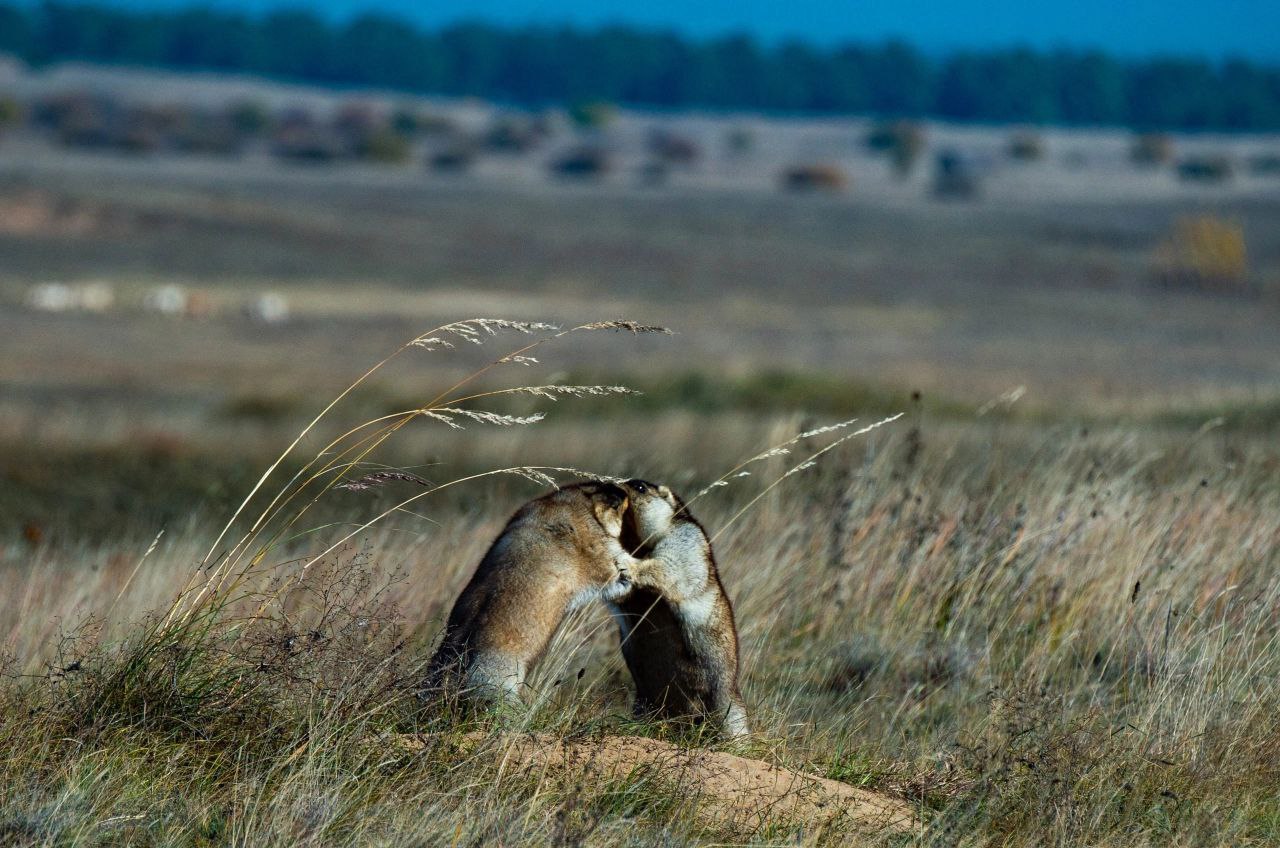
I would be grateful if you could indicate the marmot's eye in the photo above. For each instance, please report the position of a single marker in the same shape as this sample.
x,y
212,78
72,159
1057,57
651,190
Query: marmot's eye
x,y
640,486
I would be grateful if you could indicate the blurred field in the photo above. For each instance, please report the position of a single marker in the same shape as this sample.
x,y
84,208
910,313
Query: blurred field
x,y
1041,607
1049,279
847,301
1049,291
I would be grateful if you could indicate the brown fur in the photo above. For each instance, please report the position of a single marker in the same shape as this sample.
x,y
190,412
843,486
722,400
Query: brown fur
x,y
557,551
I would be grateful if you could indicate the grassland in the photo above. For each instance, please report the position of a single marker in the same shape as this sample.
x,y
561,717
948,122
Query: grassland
x,y
1038,617
1034,633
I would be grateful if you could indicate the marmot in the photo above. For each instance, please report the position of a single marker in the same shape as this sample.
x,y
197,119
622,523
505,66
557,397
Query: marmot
x,y
676,625
556,553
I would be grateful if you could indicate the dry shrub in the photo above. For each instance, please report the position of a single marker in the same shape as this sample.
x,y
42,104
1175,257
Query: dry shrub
x,y
902,141
12,112
1205,254
1208,168
586,162
308,144
955,177
1027,147
821,177
673,148
455,158
1151,149
514,134
386,146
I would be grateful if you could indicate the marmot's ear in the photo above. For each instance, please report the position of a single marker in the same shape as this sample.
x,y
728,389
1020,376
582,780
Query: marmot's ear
x,y
610,514
612,494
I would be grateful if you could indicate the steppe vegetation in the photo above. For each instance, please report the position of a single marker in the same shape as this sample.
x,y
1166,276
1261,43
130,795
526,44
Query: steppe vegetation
x,y
1030,632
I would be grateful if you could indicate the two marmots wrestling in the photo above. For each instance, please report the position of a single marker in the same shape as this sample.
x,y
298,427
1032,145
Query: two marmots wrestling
x,y
634,546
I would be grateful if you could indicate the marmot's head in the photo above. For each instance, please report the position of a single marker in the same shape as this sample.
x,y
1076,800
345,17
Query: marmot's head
x,y
653,508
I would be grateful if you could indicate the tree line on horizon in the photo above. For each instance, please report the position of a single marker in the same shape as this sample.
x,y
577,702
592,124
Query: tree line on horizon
x,y
543,65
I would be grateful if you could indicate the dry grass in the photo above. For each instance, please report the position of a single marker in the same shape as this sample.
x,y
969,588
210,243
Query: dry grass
x,y
1034,633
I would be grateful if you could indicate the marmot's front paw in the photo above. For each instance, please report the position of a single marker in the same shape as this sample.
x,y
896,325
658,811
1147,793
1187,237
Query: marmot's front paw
x,y
619,588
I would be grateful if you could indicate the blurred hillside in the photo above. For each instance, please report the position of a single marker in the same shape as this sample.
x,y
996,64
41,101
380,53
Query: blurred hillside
x,y
538,65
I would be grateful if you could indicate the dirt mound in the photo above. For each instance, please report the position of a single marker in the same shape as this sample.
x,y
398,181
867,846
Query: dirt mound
x,y
743,793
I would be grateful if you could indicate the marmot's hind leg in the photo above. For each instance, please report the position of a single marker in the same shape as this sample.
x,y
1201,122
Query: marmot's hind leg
x,y
495,681
735,721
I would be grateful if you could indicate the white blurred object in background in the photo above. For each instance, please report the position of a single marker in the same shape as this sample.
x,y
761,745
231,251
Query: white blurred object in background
x,y
269,308
96,296
169,299
51,297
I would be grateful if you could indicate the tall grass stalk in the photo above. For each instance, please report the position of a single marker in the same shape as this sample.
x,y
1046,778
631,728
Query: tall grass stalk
x,y
223,575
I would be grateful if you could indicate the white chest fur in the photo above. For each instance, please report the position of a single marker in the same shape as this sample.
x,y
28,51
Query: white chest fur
x,y
686,559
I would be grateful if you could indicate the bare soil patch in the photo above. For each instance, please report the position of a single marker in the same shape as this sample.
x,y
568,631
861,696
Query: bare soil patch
x,y
744,794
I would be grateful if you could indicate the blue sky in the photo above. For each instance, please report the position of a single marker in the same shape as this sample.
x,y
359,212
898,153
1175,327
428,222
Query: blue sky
x,y
1249,28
